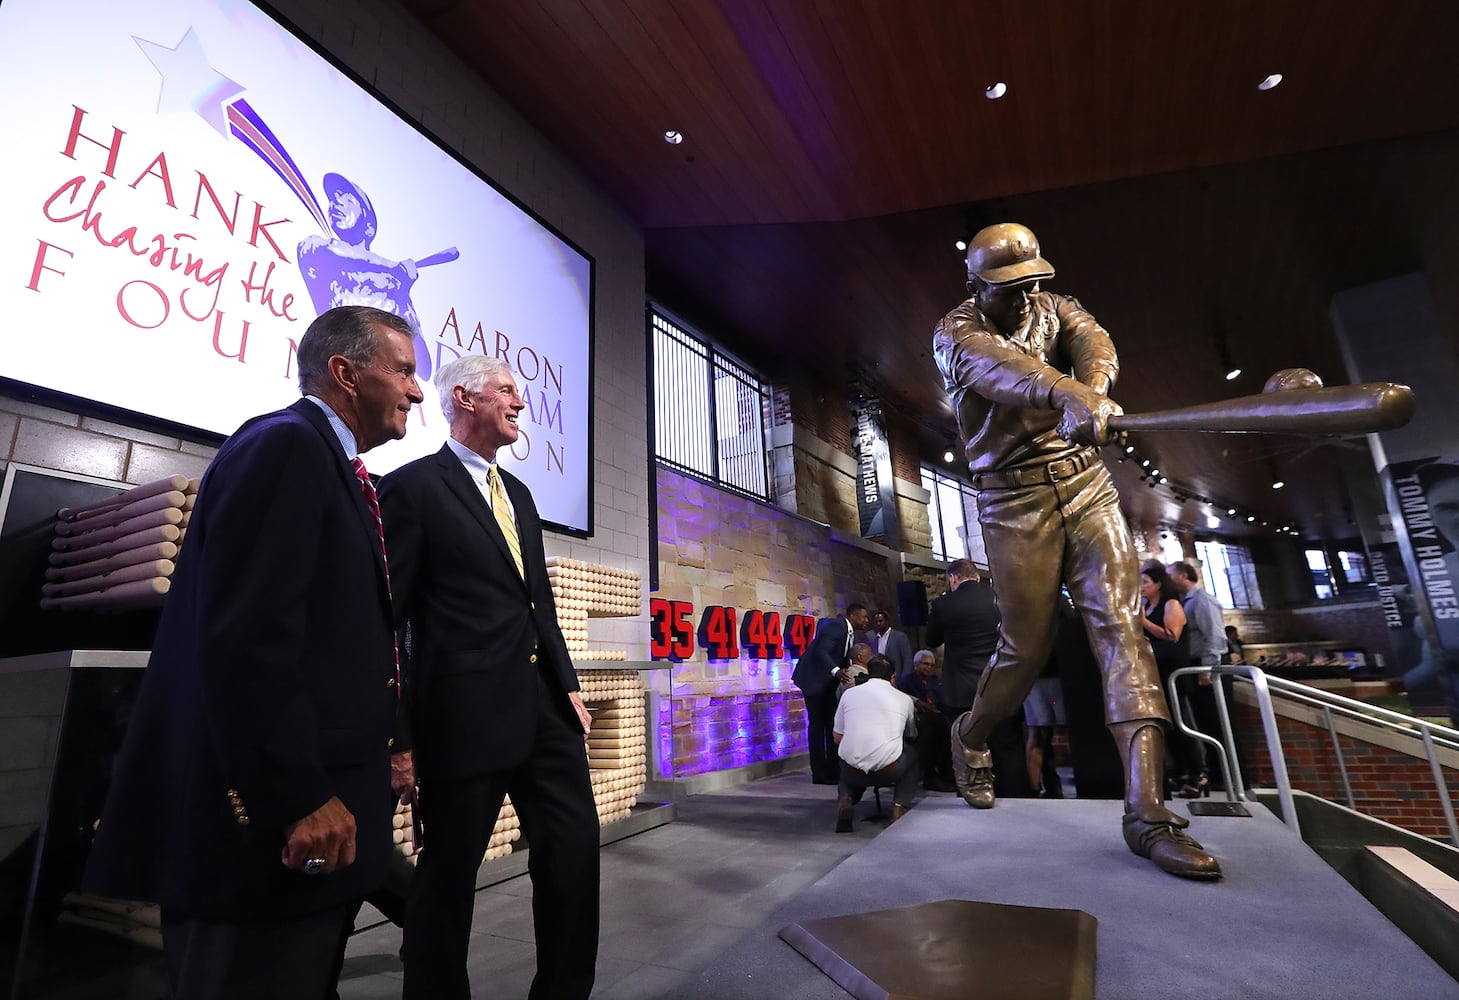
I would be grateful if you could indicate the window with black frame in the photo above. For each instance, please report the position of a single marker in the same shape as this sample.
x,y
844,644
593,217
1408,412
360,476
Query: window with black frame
x,y
709,410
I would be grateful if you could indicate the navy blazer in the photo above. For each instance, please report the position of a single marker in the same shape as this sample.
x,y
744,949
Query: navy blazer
x,y
816,670
271,688
480,633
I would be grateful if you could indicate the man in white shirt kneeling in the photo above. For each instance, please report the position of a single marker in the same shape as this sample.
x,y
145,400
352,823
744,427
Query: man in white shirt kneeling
x,y
875,724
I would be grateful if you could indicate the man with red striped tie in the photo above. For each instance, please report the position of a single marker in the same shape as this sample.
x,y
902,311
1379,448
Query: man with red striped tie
x,y
252,797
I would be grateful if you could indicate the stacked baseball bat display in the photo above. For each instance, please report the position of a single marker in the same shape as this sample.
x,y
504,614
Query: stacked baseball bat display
x,y
507,830
616,742
584,590
119,554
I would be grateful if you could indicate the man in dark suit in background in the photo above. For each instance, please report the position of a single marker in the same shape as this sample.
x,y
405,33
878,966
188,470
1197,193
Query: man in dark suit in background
x,y
891,643
252,797
493,697
965,621
817,674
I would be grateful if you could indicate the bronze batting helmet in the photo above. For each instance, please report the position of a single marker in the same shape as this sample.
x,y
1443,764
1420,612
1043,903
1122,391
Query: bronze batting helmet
x,y
1005,254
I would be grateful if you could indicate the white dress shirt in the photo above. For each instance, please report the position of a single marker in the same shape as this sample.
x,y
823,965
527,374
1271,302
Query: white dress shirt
x,y
873,720
479,469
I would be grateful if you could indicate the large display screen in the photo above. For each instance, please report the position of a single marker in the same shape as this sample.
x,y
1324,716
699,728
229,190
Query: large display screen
x,y
186,185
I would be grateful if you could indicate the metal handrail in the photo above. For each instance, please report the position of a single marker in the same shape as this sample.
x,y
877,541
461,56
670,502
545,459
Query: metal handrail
x,y
1432,734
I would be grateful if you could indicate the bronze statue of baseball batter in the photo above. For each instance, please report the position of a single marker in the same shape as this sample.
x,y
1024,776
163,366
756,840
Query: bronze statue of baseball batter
x,y
1028,373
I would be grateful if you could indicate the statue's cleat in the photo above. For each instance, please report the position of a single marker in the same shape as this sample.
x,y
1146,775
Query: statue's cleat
x,y
1163,841
972,771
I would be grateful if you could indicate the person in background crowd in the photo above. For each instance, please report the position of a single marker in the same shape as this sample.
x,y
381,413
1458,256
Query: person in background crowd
x,y
1165,626
965,621
817,673
891,643
855,670
925,690
1207,646
873,725
252,798
1235,648
1043,710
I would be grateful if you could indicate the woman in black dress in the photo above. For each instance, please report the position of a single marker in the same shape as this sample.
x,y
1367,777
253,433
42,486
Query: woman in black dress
x,y
1165,628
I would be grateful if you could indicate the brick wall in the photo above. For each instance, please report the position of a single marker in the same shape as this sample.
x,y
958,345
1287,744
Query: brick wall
x,y
1391,778
903,440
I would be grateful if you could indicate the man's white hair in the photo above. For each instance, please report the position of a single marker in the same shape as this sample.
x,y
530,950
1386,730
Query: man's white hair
x,y
470,373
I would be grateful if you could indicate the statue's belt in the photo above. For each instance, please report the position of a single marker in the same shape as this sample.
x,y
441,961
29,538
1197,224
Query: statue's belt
x,y
1036,475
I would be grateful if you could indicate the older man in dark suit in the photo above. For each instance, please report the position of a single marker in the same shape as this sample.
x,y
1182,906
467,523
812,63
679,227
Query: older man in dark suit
x,y
818,673
965,621
253,794
493,697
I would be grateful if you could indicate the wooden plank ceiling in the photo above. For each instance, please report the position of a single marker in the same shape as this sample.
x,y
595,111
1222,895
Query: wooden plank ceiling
x,y
835,149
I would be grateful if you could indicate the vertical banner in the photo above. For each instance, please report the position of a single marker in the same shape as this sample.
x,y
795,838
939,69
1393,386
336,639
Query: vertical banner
x,y
1390,331
876,494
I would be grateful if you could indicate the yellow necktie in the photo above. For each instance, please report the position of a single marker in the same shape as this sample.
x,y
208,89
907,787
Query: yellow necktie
x,y
504,520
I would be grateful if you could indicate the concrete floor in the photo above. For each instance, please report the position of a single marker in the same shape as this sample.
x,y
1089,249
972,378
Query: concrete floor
x,y
674,899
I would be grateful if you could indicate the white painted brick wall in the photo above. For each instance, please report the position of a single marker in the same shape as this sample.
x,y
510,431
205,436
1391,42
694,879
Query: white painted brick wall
x,y
386,45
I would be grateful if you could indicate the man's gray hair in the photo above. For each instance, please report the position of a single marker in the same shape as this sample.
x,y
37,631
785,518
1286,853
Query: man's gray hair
x,y
924,652
347,331
470,373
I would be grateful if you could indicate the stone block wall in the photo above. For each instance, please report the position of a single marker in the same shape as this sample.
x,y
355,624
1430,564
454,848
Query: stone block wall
x,y
719,548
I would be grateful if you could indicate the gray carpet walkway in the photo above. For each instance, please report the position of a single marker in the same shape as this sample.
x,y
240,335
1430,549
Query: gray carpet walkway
x,y
692,909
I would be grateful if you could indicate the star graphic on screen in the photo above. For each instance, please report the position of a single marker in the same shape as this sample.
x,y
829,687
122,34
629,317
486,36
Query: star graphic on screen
x,y
189,82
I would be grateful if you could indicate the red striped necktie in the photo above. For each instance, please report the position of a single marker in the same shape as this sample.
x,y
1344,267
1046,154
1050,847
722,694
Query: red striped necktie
x,y
372,500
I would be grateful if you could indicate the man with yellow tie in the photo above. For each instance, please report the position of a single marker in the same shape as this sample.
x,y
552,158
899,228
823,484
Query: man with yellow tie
x,y
493,699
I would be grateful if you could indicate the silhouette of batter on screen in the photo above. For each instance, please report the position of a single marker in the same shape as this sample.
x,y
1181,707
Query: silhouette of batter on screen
x,y
345,271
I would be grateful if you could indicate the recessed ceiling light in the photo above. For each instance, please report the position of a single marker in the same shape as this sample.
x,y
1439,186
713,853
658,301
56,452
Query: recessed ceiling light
x,y
1129,449
1233,375
1270,82
673,137
1278,484
1154,472
1231,511
961,244
997,90
1250,518
948,456
1163,480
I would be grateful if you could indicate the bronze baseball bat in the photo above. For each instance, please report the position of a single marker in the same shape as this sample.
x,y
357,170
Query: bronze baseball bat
x,y
1339,409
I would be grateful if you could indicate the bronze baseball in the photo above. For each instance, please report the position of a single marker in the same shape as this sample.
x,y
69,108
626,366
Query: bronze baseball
x,y
1339,409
